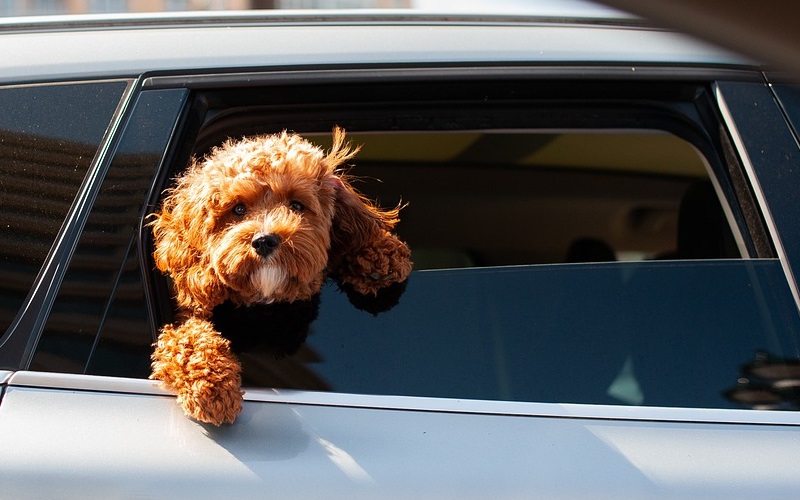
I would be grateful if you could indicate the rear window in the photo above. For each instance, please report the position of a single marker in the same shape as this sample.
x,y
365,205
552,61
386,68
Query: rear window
x,y
498,198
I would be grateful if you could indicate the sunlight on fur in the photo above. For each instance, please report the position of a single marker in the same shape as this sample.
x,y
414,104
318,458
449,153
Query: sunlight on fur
x,y
259,221
268,279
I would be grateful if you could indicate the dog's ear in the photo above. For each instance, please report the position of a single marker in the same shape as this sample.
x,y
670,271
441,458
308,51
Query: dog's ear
x,y
180,231
365,254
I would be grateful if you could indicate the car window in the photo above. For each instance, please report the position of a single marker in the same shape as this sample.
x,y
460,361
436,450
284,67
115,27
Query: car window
x,y
569,266
789,96
48,137
100,311
664,333
571,243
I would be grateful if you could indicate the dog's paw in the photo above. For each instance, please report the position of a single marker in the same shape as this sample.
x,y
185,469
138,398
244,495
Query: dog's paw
x,y
381,264
212,403
196,363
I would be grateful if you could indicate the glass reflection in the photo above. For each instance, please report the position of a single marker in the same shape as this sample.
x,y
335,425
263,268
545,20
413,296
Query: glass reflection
x,y
659,333
48,137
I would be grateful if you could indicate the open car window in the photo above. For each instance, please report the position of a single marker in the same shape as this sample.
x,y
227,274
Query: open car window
x,y
572,243
496,198
568,266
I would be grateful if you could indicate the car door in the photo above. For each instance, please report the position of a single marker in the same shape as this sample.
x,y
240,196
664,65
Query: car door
x,y
500,372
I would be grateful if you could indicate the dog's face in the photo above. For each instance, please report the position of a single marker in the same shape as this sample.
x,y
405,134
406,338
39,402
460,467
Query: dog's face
x,y
250,223
264,219
268,228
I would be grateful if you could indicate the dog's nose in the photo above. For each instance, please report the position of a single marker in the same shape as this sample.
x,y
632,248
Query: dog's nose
x,y
265,244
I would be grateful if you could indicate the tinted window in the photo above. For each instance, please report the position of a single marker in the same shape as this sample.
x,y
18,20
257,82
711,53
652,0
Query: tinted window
x,y
100,308
48,137
789,96
671,317
653,333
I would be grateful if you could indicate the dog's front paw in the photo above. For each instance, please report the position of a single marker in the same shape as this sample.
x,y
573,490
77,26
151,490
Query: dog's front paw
x,y
213,403
385,262
196,363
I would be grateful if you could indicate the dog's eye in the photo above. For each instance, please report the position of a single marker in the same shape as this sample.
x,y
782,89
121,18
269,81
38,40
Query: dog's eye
x,y
296,206
239,209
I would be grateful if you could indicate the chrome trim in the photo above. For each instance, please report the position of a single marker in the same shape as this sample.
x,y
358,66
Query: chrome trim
x,y
527,409
736,137
90,383
93,383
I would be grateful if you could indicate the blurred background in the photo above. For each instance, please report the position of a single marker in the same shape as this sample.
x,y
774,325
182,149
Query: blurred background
x,y
43,7
765,30
60,7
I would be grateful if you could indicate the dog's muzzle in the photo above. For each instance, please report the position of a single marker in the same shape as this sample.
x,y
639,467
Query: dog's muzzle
x,y
265,244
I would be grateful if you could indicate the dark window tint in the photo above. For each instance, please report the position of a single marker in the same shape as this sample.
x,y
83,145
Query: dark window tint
x,y
48,137
677,333
100,307
789,96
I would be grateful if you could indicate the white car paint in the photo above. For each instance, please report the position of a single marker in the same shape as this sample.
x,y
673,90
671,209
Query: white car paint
x,y
123,438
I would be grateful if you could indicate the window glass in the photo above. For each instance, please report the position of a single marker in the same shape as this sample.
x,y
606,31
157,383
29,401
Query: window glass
x,y
48,137
672,333
789,96
100,311
572,243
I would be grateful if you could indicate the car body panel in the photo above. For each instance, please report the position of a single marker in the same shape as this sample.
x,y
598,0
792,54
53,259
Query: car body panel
x,y
114,435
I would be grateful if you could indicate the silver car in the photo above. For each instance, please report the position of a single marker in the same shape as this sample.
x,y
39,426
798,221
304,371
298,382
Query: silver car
x,y
604,228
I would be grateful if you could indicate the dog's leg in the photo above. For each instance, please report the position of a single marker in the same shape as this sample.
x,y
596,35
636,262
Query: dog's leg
x,y
383,260
196,363
365,254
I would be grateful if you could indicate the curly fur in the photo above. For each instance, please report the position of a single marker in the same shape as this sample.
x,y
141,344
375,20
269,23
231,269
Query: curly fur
x,y
206,233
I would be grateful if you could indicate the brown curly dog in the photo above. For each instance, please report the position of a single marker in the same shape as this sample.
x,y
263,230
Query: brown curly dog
x,y
257,221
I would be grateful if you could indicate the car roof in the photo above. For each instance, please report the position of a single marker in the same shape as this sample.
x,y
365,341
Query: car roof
x,y
109,46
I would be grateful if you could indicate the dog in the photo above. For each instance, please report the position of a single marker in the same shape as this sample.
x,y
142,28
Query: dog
x,y
258,222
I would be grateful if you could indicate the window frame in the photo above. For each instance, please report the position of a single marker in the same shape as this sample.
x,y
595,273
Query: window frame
x,y
704,128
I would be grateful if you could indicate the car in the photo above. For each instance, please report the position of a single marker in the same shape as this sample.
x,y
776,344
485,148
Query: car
x,y
603,221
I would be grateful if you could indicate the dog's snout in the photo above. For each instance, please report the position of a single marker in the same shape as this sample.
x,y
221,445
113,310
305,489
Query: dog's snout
x,y
265,244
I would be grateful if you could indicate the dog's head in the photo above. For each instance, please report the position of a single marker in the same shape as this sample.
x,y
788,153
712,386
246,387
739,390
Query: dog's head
x,y
266,219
